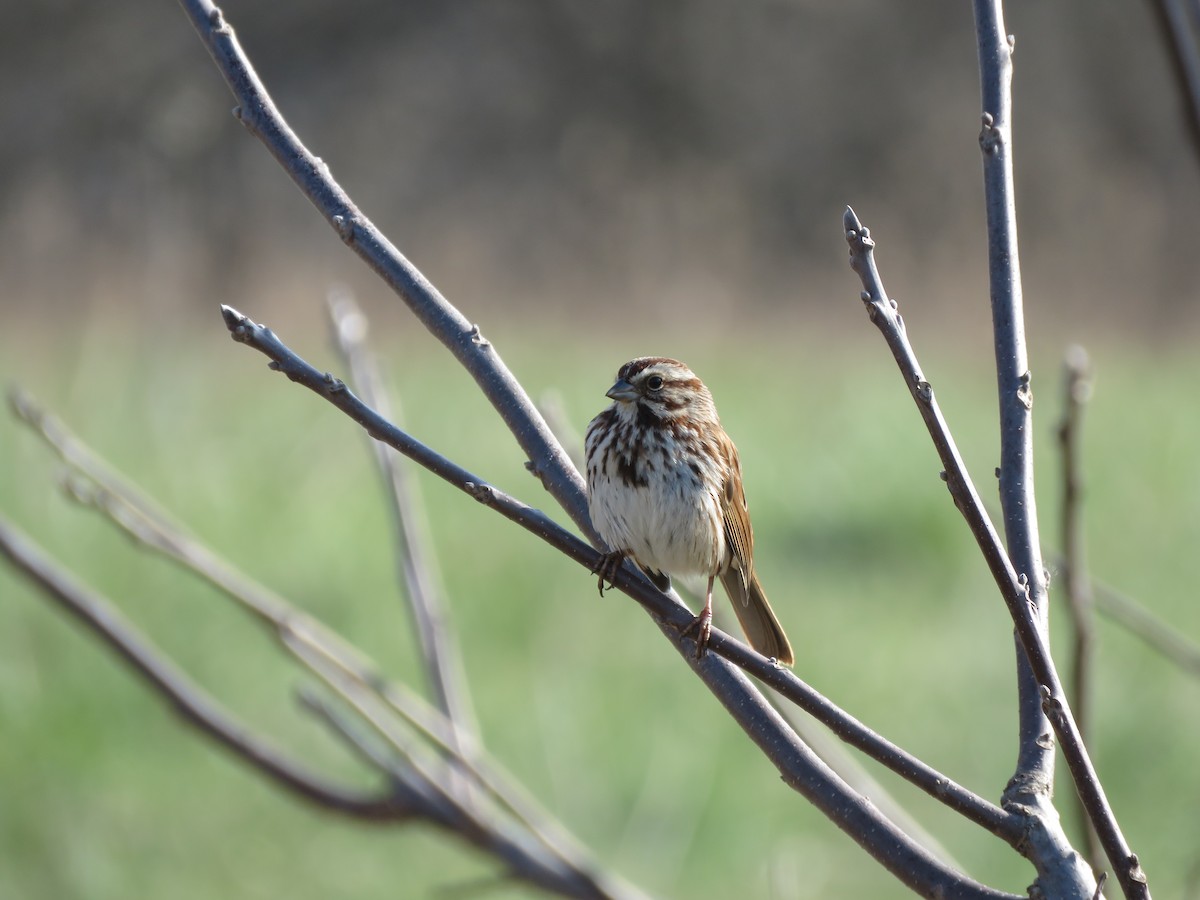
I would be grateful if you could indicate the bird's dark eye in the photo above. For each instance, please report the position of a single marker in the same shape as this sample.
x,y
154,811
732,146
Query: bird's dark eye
x,y
654,382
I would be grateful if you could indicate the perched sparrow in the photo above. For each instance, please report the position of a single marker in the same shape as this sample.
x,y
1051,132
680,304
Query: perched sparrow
x,y
665,489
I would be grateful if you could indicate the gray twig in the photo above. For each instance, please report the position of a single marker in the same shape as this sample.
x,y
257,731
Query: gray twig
x,y
1057,863
1077,387
372,752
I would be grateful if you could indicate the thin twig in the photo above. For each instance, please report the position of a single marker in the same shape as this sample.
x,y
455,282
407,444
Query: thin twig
x,y
422,772
415,558
1014,589
191,702
1077,387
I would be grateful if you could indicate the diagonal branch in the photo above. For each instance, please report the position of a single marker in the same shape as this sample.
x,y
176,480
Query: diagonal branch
x,y
1049,850
523,851
192,703
258,113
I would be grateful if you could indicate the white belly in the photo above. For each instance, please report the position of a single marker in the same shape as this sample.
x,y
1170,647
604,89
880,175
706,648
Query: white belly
x,y
671,524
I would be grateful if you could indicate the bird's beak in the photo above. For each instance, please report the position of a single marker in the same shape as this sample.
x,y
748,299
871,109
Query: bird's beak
x,y
622,390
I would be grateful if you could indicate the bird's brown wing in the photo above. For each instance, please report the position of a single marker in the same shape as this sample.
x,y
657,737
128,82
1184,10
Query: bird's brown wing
x,y
746,595
739,535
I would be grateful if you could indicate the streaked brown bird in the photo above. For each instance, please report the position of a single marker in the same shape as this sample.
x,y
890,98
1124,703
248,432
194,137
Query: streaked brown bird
x,y
665,490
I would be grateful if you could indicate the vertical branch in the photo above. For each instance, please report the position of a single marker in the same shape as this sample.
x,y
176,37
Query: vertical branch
x,y
1032,783
1077,387
439,649
1034,777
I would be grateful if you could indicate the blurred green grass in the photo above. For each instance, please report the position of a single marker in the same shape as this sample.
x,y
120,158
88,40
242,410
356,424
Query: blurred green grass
x,y
104,795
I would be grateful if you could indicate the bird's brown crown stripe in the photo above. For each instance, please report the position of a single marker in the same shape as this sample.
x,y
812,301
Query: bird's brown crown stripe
x,y
640,365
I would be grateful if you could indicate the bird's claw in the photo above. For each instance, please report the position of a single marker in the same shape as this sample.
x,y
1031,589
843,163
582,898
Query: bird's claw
x,y
606,568
702,625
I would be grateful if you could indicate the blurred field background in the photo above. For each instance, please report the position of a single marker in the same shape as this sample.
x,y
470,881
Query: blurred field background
x,y
588,182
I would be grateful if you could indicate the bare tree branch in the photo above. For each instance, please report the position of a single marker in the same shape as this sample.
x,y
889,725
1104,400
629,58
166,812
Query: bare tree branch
x,y
439,649
1077,386
1048,847
187,699
257,112
1033,781
522,851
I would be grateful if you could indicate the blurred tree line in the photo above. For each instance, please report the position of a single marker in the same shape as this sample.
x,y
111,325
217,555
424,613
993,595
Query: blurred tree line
x,y
592,158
